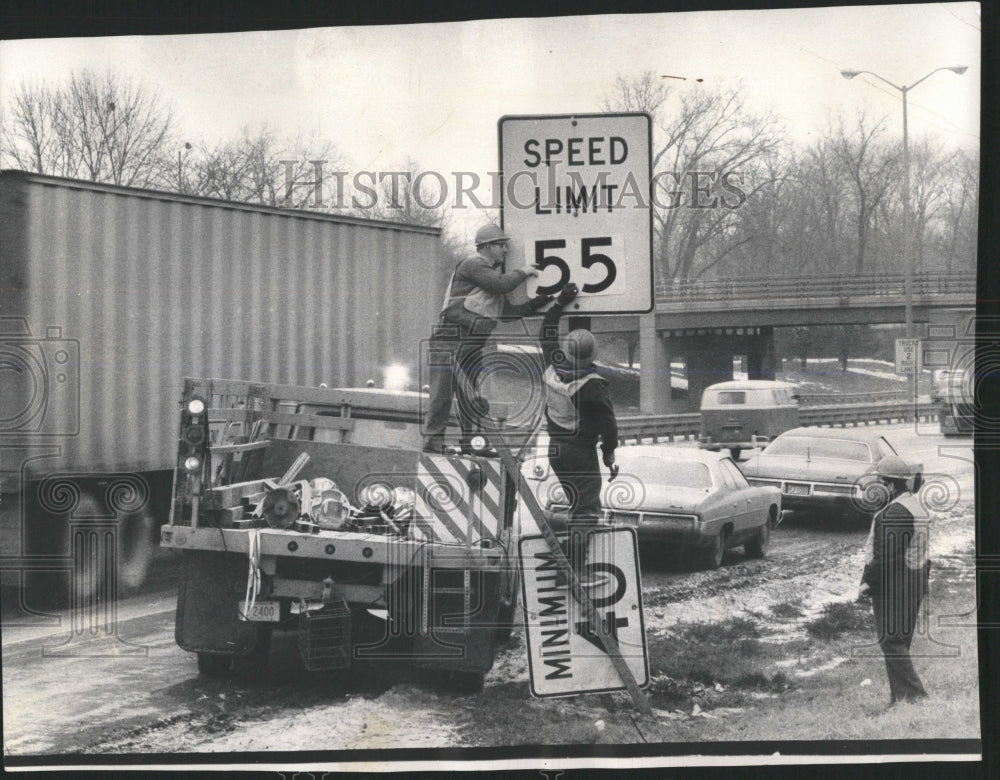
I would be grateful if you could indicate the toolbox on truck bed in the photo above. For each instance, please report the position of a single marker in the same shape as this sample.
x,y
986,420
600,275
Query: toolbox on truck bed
x,y
314,511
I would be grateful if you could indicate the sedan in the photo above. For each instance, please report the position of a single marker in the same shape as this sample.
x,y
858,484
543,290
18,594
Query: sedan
x,y
684,497
827,470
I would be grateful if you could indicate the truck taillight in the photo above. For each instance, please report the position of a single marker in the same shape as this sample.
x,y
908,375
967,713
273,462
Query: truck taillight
x,y
191,456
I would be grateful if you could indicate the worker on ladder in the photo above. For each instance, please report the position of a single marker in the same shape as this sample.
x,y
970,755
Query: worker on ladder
x,y
578,413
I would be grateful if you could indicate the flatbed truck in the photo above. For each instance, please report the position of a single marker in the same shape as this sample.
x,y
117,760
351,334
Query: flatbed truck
x,y
314,511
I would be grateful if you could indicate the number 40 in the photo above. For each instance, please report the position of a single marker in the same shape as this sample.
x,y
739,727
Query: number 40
x,y
587,259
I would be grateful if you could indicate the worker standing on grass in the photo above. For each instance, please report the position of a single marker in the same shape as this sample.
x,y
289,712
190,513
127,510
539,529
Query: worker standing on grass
x,y
473,304
896,575
578,412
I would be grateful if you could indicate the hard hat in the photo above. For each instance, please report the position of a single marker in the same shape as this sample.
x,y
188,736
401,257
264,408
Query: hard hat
x,y
579,347
893,467
489,233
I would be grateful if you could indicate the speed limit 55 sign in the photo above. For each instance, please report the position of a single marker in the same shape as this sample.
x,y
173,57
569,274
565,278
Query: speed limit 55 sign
x,y
576,204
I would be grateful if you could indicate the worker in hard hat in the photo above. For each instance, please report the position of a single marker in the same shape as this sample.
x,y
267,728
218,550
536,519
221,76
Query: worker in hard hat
x,y
578,415
473,304
896,575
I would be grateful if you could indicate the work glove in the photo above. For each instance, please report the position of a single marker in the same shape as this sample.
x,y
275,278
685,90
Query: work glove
x,y
540,302
568,294
608,456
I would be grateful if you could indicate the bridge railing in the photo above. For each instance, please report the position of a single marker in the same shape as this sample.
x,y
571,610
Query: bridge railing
x,y
925,285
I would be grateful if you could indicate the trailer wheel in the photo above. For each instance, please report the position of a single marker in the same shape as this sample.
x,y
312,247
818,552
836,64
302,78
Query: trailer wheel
x,y
212,665
136,547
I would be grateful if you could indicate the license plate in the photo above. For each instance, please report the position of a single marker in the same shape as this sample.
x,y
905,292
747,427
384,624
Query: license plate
x,y
261,612
797,490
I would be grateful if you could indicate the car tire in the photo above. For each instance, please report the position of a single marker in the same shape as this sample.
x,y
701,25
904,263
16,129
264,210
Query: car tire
x,y
713,555
757,547
212,665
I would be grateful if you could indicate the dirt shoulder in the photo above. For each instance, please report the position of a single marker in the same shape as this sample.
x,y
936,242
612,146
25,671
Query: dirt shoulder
x,y
766,652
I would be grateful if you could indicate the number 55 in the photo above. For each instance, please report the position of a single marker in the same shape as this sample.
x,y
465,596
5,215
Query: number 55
x,y
587,260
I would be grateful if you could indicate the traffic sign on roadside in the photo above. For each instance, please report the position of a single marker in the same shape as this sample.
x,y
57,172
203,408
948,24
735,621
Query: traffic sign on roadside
x,y
564,656
907,356
576,202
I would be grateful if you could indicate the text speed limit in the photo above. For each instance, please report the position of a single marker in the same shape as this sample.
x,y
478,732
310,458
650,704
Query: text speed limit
x,y
590,262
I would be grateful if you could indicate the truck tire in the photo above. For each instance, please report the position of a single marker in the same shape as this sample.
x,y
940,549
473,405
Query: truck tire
x,y
212,665
256,664
466,682
505,615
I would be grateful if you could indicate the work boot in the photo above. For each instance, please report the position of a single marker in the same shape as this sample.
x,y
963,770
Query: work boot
x,y
434,444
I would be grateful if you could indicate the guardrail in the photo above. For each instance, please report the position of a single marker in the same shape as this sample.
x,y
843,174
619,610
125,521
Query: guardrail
x,y
825,286
840,399
671,427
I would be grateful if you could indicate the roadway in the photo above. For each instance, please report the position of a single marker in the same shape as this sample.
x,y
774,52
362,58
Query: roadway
x,y
139,693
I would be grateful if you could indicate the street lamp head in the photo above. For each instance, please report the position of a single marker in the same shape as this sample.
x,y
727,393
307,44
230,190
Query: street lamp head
x,y
959,69
849,74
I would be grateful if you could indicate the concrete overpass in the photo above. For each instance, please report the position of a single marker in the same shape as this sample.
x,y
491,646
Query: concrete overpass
x,y
708,322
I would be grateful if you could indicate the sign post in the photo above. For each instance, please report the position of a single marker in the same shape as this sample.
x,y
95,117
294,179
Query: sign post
x,y
576,201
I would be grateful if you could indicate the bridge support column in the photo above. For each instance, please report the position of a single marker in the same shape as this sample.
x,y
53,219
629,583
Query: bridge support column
x,y
709,361
654,376
761,360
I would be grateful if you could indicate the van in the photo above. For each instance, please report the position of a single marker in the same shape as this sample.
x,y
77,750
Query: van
x,y
746,413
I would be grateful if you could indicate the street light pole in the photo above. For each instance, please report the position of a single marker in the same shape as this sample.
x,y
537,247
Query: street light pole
x,y
907,236
907,244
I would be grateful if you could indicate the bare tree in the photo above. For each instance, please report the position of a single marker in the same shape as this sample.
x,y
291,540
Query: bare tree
x,y
707,153
872,165
261,167
412,195
96,127
958,215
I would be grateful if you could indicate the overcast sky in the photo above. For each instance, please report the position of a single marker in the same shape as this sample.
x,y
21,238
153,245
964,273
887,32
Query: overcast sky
x,y
434,92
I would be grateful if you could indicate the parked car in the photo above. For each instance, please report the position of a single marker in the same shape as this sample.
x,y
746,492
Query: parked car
x,y
827,470
679,496
743,414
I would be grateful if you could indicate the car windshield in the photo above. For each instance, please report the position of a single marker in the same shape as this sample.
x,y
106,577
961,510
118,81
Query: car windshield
x,y
841,449
672,473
